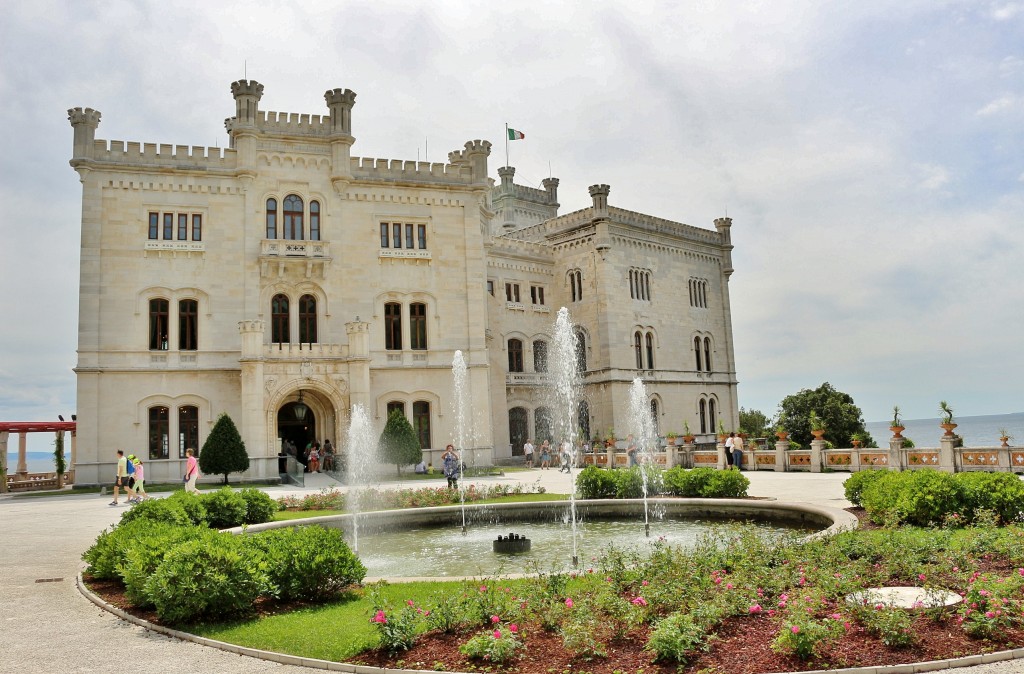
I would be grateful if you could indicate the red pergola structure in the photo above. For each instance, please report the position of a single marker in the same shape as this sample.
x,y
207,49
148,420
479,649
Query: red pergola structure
x,y
23,428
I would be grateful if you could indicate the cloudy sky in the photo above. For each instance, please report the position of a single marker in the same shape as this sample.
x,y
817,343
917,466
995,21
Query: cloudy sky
x,y
870,154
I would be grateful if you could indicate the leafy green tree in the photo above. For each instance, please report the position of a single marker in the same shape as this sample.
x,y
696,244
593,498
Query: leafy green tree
x,y
755,422
398,442
841,417
223,452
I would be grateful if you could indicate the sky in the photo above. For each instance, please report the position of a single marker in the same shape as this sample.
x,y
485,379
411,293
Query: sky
x,y
871,155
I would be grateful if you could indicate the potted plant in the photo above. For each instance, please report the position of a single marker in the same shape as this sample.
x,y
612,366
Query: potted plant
x,y
671,437
722,435
857,439
780,428
896,426
1005,437
947,419
687,435
609,440
817,426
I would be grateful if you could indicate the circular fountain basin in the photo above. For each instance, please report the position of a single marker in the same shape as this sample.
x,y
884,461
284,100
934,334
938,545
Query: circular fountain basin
x,y
430,543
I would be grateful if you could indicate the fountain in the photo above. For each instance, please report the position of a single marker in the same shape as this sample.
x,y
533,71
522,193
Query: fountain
x,y
565,397
460,402
641,426
362,458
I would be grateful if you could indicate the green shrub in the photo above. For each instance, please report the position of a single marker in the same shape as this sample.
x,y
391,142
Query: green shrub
x,y
1000,493
725,484
211,578
309,562
676,638
107,554
147,550
706,483
685,483
594,482
497,646
259,507
157,510
855,485
191,504
629,483
225,508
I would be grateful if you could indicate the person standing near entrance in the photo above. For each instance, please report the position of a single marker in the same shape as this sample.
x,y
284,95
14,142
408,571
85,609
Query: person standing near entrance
x,y
120,475
528,451
191,471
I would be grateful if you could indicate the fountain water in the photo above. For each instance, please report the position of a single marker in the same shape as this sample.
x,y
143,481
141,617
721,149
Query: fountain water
x,y
641,425
460,401
362,460
566,385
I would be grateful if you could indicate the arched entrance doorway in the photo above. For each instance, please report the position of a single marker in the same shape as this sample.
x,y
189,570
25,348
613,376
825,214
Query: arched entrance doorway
x,y
296,422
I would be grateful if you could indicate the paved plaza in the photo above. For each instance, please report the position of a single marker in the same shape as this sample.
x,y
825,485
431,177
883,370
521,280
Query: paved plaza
x,y
50,627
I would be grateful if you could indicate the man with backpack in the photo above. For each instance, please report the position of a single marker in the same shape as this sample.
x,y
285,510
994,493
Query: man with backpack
x,y
121,476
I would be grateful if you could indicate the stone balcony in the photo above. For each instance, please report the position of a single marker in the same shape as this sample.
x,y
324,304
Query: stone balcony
x,y
304,351
527,379
308,258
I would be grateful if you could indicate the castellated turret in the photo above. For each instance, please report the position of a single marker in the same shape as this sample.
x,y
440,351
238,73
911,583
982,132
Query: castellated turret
x,y
247,94
551,186
599,193
724,227
84,122
340,102
477,152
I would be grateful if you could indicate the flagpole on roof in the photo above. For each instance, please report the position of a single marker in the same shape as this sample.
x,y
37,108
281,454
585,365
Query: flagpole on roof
x,y
506,143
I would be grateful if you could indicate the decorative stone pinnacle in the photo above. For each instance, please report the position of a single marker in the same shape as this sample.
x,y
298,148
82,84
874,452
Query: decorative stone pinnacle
x,y
247,88
340,97
478,146
599,190
84,116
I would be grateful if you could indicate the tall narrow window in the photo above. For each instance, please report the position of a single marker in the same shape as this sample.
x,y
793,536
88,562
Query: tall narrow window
x,y
689,284
188,430
711,415
182,226
410,242
638,351
707,354
168,226
383,235
188,325
515,355
579,286
632,284
421,422
650,350
393,326
418,326
197,227
396,406
704,294
158,433
154,226
271,218
655,417
314,221
279,323
307,320
158,310
696,352
581,351
293,229
396,235
572,285
583,419
421,231
512,292
647,286
540,356
703,417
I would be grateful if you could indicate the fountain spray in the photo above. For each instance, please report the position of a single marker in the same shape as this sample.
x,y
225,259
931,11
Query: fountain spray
x,y
461,403
566,385
362,453
641,425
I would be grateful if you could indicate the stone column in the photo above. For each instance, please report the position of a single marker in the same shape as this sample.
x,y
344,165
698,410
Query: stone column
x,y
609,451
3,459
947,455
780,455
896,454
817,447
252,425
22,455
74,455
60,475
670,456
359,363
723,463
687,458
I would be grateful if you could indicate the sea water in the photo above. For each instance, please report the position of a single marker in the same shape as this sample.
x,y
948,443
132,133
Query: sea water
x,y
977,431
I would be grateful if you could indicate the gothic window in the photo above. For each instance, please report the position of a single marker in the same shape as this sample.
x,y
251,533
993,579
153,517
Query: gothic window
x,y
655,416
579,285
696,351
188,325
393,326
314,221
293,228
271,218
572,285
396,406
711,415
188,429
704,294
418,326
515,355
632,284
197,227
158,310
647,286
540,356
639,350
421,422
279,327
703,416
159,428
307,319
581,351
707,354
650,350
154,226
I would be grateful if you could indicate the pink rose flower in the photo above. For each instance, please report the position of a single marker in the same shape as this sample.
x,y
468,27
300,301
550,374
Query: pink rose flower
x,y
568,602
756,608
379,617
795,629
495,619
639,601
513,628
497,634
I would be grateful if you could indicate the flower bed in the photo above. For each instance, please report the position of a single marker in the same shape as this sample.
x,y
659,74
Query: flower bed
x,y
388,499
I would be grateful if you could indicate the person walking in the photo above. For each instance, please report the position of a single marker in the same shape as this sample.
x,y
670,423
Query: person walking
x,y
545,455
191,471
140,482
450,466
528,451
120,475
565,466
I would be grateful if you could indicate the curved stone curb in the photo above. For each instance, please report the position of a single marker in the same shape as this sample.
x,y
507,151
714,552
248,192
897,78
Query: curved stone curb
x,y
312,663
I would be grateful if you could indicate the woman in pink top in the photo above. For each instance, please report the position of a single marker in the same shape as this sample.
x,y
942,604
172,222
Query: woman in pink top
x,y
140,481
191,472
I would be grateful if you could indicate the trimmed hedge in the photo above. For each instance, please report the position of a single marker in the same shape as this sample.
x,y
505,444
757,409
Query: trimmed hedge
x,y
310,562
221,509
259,507
594,482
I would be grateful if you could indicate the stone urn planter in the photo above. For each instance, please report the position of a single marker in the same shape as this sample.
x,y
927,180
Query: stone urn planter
x,y
817,434
671,440
688,439
856,444
948,428
782,435
1005,440
896,430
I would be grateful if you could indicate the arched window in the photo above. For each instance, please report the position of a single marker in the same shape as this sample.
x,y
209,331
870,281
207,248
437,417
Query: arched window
x,y
158,324
576,284
632,284
518,429
188,430
314,221
696,351
393,326
293,218
396,406
421,422
655,417
647,286
515,355
271,218
703,417
581,351
712,416
279,333
418,326
639,350
707,354
540,356
572,285
704,294
307,320
542,425
159,429
650,350
583,419
188,325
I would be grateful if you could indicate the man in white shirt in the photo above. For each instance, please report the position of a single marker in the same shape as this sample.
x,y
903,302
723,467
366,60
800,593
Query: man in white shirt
x,y
528,451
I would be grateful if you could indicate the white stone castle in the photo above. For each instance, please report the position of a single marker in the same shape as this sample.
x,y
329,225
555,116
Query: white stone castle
x,y
283,280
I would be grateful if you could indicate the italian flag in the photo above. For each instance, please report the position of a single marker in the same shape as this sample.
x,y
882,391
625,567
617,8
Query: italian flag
x,y
515,135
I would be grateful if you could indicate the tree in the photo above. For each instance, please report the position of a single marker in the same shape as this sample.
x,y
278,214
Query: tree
x,y
755,422
841,417
223,452
398,442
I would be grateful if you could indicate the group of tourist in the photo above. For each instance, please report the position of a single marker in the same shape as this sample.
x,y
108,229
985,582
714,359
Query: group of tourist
x,y
313,456
548,456
734,451
130,475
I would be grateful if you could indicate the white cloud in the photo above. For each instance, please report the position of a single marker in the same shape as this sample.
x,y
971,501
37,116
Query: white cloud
x,y
998,105
1006,11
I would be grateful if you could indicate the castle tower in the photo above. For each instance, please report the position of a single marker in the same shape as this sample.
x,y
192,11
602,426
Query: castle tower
x,y
477,152
359,361
242,127
551,186
508,189
724,227
84,122
340,102
599,216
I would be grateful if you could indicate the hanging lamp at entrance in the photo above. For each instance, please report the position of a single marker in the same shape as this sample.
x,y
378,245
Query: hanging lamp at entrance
x,y
300,408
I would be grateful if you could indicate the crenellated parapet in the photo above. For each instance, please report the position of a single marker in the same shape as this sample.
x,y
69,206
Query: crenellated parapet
x,y
397,170
247,95
477,152
184,157
340,103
